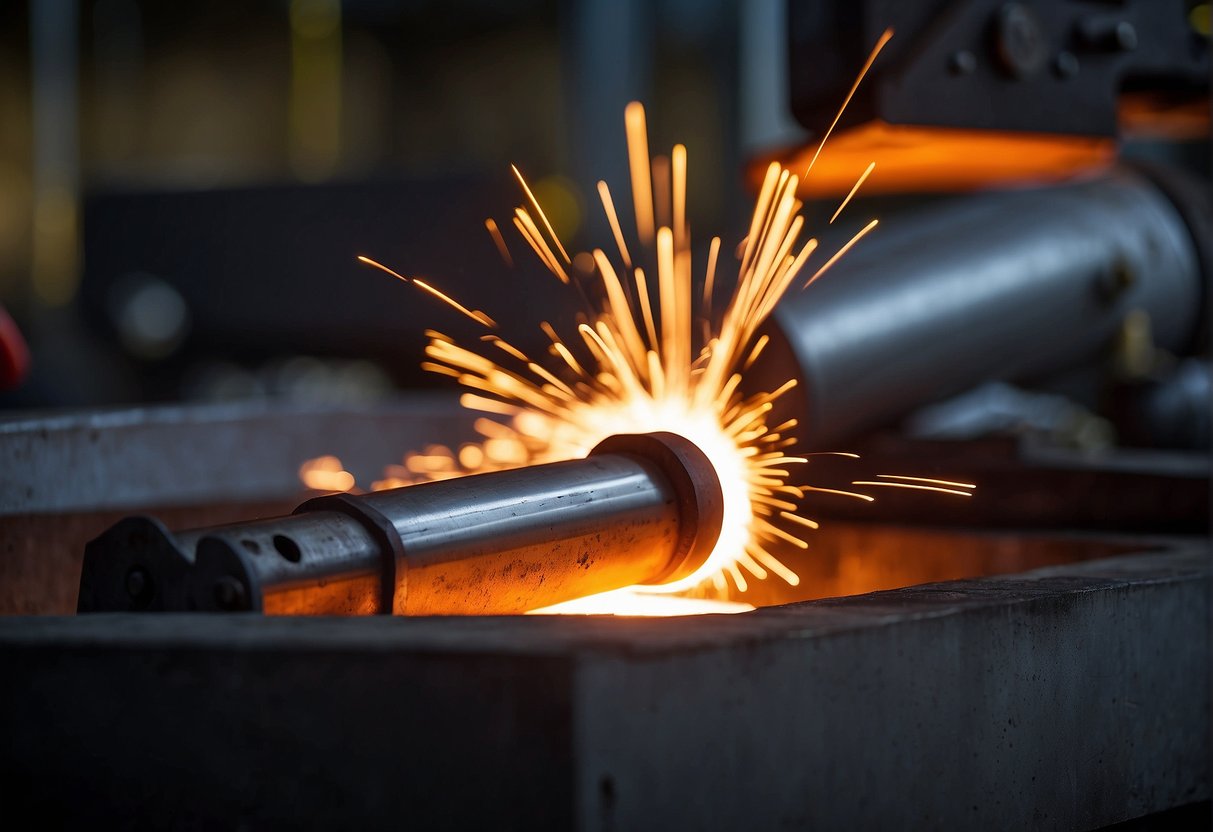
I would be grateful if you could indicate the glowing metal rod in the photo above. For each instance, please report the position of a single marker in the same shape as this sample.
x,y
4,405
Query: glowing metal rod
x,y
640,509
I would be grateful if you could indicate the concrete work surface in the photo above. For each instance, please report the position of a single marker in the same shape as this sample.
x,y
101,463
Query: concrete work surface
x,y
1068,697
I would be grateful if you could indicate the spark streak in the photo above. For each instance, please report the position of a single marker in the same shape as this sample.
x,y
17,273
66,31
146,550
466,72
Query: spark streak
x,y
928,480
863,177
915,487
539,210
499,241
638,160
838,254
884,38
478,317
382,267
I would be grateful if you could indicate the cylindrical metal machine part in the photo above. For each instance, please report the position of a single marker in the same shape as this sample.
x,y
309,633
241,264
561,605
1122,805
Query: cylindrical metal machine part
x,y
1013,285
640,509
313,562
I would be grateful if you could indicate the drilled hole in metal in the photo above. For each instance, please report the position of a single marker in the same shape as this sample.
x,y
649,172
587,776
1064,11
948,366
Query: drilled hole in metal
x,y
288,548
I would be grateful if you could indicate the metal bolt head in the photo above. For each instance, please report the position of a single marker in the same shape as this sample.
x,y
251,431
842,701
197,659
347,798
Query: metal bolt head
x,y
1106,34
230,594
1065,65
1124,36
136,582
962,62
1019,41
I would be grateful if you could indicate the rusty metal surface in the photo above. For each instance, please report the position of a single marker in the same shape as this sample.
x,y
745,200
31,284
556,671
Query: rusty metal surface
x,y
1069,697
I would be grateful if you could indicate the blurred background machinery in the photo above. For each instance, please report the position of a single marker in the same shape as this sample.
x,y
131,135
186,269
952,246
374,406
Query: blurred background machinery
x,y
194,181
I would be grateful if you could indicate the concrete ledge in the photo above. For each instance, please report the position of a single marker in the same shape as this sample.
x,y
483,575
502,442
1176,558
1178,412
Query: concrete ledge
x,y
1068,697
173,455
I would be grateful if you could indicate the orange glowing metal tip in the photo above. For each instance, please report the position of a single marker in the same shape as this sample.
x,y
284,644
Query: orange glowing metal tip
x,y
928,480
884,38
915,487
854,190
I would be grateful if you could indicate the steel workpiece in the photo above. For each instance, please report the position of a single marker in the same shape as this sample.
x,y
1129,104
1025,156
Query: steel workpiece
x,y
640,509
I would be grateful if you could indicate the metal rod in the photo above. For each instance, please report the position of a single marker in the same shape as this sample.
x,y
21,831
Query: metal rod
x,y
640,509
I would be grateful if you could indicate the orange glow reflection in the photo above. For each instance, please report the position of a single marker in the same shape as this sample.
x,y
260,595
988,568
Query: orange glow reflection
x,y
631,604
916,158
325,473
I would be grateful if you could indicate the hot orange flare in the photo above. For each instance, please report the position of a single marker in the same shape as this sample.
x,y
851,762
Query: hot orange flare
x,y
931,159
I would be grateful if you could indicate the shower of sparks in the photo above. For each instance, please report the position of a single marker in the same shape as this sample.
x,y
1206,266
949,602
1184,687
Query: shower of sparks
x,y
648,355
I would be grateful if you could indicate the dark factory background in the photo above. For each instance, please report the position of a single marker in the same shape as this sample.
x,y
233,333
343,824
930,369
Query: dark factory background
x,y
187,184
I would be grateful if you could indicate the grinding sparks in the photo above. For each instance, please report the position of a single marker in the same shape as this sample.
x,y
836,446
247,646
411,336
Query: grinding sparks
x,y
649,356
